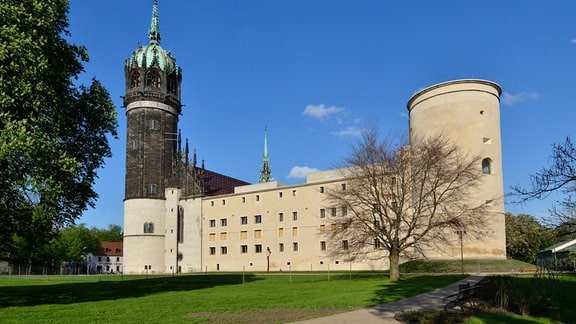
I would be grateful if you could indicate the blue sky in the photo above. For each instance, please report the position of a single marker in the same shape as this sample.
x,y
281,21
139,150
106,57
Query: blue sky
x,y
315,72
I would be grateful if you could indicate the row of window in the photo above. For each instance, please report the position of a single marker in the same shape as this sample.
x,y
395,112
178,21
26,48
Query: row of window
x,y
280,195
244,248
258,218
257,248
257,234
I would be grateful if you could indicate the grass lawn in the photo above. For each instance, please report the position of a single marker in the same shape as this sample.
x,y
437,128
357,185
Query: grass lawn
x,y
200,298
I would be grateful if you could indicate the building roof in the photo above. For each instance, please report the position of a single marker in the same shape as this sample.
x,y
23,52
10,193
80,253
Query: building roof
x,y
218,184
569,245
110,249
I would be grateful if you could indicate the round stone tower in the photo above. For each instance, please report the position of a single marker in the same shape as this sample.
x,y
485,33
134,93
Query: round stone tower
x,y
468,113
152,102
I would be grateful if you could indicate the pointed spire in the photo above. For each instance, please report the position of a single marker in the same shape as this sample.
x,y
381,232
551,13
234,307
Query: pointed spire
x,y
265,172
194,159
188,152
154,32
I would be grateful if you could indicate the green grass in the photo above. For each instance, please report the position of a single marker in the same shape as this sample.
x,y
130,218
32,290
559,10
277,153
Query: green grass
x,y
200,298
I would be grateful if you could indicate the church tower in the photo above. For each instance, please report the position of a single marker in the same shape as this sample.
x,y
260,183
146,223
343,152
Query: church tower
x,y
152,102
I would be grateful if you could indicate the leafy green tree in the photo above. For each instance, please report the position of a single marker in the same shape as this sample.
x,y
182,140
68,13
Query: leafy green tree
x,y
53,132
113,233
525,237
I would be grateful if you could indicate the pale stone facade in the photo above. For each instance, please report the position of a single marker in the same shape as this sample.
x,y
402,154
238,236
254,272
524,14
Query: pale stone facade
x,y
182,218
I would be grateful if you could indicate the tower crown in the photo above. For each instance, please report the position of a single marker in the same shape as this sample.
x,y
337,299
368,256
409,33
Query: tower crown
x,y
153,55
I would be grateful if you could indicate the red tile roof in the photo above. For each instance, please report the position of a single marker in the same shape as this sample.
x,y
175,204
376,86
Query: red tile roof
x,y
219,184
110,249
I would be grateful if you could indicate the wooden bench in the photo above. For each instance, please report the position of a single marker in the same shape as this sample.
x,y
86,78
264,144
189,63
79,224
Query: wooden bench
x,y
464,298
529,269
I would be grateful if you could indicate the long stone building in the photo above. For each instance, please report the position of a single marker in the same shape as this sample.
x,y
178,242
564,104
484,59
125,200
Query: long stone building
x,y
181,217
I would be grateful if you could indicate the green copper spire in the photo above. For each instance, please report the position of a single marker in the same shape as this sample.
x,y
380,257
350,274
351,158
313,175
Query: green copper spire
x,y
154,32
265,172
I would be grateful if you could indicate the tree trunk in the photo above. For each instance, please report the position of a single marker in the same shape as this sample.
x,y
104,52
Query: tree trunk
x,y
394,257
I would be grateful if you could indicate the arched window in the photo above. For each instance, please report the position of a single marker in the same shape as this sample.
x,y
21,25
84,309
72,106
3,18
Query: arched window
x,y
486,166
135,79
153,79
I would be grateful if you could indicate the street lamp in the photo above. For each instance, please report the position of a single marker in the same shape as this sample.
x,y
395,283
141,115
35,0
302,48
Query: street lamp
x,y
461,234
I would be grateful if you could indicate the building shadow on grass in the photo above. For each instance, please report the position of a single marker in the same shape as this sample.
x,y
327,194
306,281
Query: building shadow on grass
x,y
123,287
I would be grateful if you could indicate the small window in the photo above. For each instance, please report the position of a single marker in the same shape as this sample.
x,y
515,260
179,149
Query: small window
x,y
223,236
343,186
295,246
281,247
344,211
133,145
243,200
294,193
257,233
153,124
280,217
258,248
258,219
223,222
486,140
223,250
280,194
281,232
321,189
294,231
99,259
345,244
377,244
322,245
322,213
212,250
257,197
243,248
212,203
152,189
244,220
334,228
148,227
294,216
486,166
223,202
212,223
333,212
243,235
212,237
322,229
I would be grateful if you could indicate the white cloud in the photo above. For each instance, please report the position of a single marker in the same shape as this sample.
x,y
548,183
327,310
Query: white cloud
x,y
349,131
573,41
511,99
321,112
300,172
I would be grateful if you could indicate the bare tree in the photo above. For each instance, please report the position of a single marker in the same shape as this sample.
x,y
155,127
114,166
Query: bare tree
x,y
560,176
403,199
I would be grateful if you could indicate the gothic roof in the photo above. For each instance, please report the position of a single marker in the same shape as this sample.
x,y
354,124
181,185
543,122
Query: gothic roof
x,y
153,54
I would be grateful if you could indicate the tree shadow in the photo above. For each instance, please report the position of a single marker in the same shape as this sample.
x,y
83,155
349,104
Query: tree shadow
x,y
124,287
411,286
